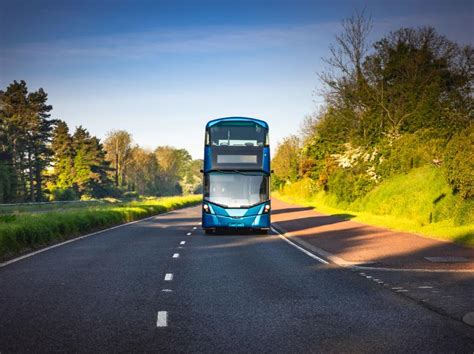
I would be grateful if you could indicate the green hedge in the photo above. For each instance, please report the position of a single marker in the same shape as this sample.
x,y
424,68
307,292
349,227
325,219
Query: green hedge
x,y
29,231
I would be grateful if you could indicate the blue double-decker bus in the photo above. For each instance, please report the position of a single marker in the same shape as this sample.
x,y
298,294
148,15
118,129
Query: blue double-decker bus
x,y
236,175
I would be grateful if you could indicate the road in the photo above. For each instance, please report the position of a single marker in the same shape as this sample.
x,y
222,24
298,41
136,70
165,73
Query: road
x,y
161,285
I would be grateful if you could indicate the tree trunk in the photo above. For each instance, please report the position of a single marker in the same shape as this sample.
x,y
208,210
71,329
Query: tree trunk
x,y
31,177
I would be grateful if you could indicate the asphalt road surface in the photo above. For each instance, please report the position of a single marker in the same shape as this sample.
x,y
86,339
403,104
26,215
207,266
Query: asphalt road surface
x,y
161,285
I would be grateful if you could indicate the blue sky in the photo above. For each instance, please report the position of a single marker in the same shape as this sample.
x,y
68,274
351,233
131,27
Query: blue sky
x,y
161,69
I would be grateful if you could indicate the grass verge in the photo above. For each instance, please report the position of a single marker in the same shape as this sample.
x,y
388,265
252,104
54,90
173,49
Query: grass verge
x,y
20,233
419,202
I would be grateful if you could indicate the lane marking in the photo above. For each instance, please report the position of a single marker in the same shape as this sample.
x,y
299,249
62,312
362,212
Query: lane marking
x,y
425,287
194,228
162,319
299,247
401,291
167,290
188,234
397,288
168,276
82,237
176,255
182,242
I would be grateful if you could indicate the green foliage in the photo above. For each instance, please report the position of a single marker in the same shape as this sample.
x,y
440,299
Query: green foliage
x,y
286,161
63,194
25,131
348,186
459,163
28,231
408,151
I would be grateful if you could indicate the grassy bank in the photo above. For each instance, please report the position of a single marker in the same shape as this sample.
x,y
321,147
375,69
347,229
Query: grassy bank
x,y
419,201
19,233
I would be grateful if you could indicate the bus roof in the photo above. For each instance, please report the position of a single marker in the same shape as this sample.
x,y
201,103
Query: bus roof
x,y
237,119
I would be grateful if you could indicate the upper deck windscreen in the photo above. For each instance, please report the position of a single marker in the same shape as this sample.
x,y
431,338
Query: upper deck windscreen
x,y
237,134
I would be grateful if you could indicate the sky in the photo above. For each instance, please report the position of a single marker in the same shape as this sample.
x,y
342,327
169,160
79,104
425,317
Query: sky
x,y
162,69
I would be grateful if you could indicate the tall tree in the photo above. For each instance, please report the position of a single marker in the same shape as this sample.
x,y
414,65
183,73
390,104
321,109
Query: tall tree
x,y
117,144
63,158
26,132
91,169
173,164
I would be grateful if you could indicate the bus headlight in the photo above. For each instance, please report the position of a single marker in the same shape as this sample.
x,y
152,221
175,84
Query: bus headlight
x,y
205,208
266,208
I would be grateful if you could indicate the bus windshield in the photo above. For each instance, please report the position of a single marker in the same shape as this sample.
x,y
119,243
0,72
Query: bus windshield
x,y
237,134
236,190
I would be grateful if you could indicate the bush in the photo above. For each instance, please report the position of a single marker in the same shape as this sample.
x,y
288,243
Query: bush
x,y
304,188
348,186
410,151
64,194
459,163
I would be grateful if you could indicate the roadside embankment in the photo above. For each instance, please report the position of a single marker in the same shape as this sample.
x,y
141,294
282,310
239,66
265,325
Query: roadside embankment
x,y
419,202
24,232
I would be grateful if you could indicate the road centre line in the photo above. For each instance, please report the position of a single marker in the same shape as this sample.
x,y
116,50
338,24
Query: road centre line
x,y
299,247
176,255
168,276
162,319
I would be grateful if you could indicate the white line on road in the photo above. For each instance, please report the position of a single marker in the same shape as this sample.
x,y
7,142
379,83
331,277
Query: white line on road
x,y
300,248
176,255
401,291
188,234
169,276
397,288
194,228
162,319
182,242
425,287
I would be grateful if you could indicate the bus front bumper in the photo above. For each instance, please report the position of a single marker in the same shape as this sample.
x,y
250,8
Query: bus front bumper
x,y
210,221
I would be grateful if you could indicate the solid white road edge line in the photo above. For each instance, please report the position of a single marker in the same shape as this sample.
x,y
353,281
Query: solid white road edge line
x,y
162,319
83,236
299,248
168,276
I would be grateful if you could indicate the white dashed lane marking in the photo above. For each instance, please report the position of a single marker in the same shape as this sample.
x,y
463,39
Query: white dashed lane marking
x,y
162,319
169,276
176,255
182,242
188,234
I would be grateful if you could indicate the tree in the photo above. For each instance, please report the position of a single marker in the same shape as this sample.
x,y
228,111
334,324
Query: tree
x,y
143,172
91,169
287,159
117,144
173,164
26,133
63,158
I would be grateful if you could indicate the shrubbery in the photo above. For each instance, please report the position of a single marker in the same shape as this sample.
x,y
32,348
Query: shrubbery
x,y
459,163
